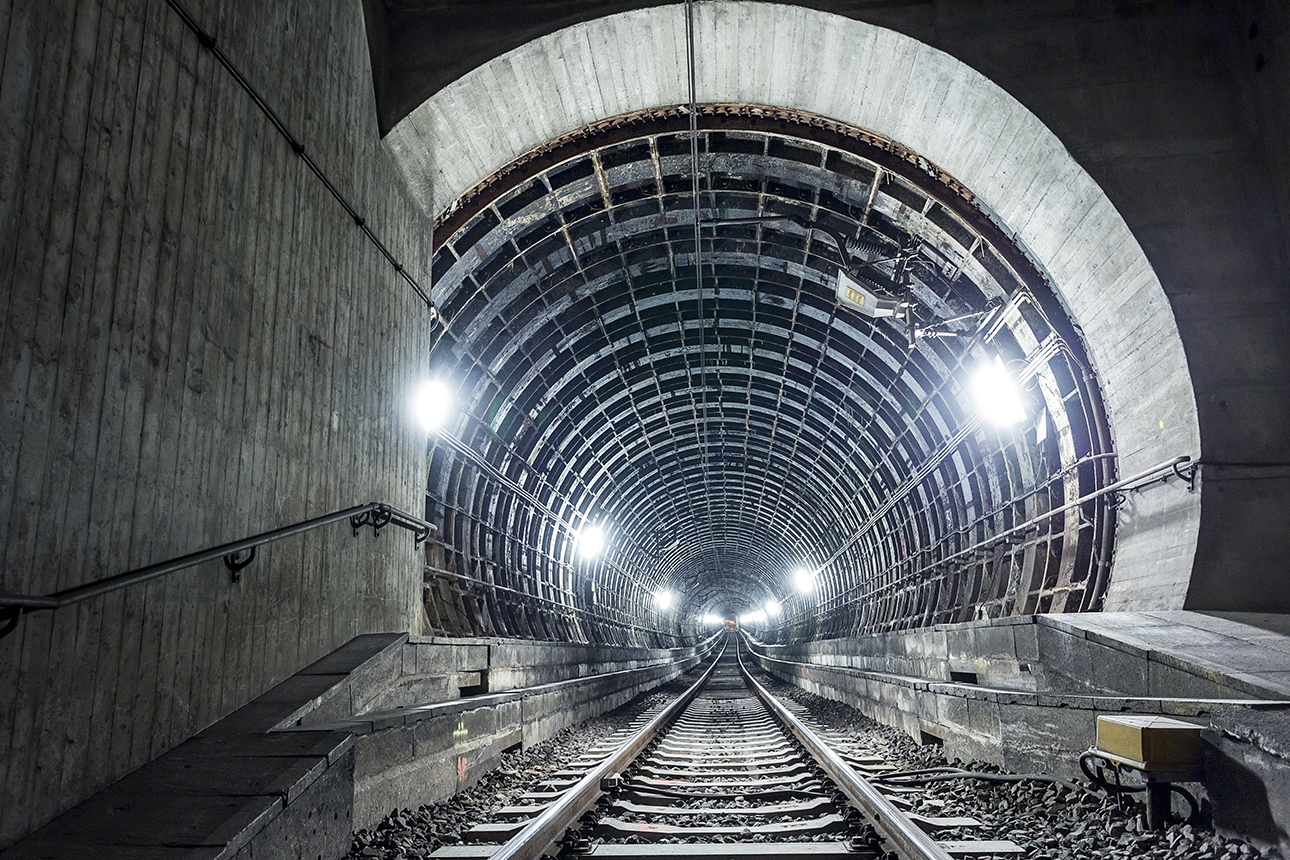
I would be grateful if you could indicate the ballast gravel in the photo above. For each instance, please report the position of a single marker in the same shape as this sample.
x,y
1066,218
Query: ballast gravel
x,y
1048,821
408,833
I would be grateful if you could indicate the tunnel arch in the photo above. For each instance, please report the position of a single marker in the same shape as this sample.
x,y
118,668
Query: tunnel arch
x,y
473,147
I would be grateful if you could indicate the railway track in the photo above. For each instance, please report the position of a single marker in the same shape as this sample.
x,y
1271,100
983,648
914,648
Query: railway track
x,y
725,770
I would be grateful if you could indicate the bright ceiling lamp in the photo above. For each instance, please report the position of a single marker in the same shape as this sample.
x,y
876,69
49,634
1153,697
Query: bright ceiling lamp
x,y
591,540
664,600
758,617
855,295
432,404
996,394
711,620
804,580
772,607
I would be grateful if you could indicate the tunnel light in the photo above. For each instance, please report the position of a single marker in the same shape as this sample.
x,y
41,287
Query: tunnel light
x,y
749,618
664,600
804,580
853,294
996,394
711,620
772,607
432,405
591,541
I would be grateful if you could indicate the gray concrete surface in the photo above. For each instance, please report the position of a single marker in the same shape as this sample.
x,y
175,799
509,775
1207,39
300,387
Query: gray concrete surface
x,y
237,789
285,776
925,99
1041,681
1178,113
196,344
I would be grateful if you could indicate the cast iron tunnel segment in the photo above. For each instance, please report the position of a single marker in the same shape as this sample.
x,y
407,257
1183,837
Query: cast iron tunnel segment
x,y
726,769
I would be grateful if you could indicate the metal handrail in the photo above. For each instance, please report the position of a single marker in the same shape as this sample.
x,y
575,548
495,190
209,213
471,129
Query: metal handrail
x,y
375,514
1177,466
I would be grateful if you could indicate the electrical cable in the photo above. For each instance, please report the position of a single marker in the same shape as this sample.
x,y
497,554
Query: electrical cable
x,y
698,250
1095,776
207,41
942,774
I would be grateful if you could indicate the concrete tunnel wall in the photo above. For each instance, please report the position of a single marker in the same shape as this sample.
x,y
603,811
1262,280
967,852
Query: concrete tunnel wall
x,y
1178,115
198,345
880,80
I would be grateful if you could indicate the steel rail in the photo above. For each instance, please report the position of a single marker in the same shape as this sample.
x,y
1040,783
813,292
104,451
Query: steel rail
x,y
908,838
538,834
375,514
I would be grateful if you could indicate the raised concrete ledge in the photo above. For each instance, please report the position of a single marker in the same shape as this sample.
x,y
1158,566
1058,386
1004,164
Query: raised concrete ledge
x,y
1247,759
421,670
1176,706
1137,654
378,720
1225,672
236,789
1246,652
407,757
259,783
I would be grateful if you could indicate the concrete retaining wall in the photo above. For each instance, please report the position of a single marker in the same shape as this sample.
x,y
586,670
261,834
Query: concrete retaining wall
x,y
1025,693
272,779
927,100
196,344
408,756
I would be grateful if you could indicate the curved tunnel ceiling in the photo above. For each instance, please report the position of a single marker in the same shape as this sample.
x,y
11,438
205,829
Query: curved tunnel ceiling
x,y
726,443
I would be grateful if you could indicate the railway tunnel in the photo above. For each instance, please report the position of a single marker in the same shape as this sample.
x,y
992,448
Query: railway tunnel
x,y
391,386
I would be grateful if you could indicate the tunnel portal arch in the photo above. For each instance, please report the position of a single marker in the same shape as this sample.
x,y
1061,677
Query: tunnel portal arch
x,y
595,101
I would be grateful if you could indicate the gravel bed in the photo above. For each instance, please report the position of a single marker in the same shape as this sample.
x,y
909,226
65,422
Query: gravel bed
x,y
1047,820
725,811
407,833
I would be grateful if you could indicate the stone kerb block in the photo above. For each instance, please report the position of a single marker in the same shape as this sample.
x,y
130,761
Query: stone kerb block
x,y
431,759
379,751
995,642
444,659
1025,642
1247,775
1119,671
1065,657
1044,739
960,645
321,824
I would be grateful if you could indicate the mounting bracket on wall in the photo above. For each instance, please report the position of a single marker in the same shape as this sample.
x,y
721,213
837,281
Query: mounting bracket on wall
x,y
1188,473
382,515
236,561
377,519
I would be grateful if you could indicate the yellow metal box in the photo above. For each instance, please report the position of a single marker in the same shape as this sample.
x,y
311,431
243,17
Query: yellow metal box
x,y
1150,743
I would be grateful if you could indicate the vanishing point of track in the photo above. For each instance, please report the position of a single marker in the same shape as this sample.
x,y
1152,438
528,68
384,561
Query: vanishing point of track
x,y
724,770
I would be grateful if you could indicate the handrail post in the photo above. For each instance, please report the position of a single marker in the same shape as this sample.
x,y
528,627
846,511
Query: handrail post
x,y
376,514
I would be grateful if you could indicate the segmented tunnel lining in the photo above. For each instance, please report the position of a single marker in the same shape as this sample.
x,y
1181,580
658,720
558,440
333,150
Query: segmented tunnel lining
x,y
573,342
